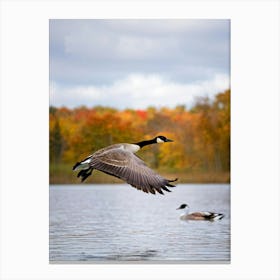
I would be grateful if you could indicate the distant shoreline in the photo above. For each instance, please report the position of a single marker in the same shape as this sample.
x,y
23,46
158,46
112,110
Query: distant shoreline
x,y
63,174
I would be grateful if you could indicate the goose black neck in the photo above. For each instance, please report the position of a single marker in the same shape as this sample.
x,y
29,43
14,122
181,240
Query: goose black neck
x,y
145,143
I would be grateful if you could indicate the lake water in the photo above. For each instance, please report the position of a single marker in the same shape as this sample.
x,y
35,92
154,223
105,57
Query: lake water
x,y
117,223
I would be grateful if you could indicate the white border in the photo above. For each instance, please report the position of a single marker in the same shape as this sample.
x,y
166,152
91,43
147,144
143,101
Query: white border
x,y
255,137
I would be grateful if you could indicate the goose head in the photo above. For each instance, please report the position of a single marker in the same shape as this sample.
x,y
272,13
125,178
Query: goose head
x,y
162,139
184,209
183,206
156,140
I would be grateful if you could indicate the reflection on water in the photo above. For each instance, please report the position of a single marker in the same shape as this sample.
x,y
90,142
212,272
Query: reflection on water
x,y
133,256
118,223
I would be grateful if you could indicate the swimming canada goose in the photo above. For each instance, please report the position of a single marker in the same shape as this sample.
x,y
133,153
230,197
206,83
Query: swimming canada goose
x,y
119,160
209,216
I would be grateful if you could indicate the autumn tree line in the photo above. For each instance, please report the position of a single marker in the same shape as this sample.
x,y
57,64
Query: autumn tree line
x,y
200,151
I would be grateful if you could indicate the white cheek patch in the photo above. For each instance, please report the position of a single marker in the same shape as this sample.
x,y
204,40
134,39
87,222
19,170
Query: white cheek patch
x,y
159,140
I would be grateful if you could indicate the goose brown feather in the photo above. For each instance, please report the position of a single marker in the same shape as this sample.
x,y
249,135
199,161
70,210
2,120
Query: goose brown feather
x,y
125,165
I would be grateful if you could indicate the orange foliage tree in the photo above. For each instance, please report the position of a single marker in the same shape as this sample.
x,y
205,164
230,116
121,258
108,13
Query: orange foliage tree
x,y
201,134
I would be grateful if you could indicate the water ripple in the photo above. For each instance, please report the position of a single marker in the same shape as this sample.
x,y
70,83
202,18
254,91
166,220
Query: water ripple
x,y
117,223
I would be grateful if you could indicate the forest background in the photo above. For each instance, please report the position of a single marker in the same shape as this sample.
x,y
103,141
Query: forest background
x,y
200,152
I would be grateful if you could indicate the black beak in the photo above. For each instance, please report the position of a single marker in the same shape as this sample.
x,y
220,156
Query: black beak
x,y
168,140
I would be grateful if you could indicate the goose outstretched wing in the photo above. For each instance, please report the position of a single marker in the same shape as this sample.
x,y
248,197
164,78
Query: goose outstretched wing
x,y
130,168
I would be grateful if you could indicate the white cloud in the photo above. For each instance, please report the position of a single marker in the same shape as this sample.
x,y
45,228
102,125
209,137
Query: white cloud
x,y
94,52
138,91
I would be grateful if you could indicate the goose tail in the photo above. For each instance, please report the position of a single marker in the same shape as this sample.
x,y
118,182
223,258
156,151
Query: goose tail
x,y
84,173
84,164
84,167
218,216
76,166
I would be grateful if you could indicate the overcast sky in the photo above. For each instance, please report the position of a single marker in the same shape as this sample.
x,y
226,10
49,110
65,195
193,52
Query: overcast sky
x,y
137,63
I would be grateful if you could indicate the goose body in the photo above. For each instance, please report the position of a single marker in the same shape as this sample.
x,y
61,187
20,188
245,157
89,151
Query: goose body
x,y
202,216
119,160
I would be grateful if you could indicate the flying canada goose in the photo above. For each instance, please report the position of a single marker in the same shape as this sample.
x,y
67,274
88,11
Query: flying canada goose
x,y
209,216
119,160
